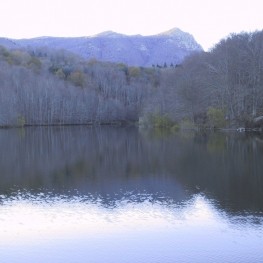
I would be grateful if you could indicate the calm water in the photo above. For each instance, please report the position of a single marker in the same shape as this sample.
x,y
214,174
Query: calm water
x,y
110,195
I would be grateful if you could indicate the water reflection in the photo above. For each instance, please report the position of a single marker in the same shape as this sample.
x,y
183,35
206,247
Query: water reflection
x,y
45,229
125,195
112,162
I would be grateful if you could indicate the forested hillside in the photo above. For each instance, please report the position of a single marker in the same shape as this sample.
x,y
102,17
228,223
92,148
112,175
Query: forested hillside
x,y
220,88
60,88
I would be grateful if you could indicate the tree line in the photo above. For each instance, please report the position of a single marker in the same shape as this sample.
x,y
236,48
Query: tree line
x,y
45,87
219,88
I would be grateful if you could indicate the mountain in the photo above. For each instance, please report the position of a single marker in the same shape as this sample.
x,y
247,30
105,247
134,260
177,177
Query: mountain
x,y
8,43
168,47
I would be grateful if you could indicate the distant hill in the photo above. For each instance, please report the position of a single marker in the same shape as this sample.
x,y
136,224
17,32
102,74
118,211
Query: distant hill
x,y
169,47
9,43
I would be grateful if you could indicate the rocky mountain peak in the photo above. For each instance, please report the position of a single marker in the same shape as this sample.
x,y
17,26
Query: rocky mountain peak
x,y
109,34
169,47
172,32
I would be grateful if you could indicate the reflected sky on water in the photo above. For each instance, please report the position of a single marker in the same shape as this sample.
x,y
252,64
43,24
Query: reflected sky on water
x,y
79,194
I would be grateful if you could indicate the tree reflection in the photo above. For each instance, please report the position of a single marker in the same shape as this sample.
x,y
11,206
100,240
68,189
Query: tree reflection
x,y
124,163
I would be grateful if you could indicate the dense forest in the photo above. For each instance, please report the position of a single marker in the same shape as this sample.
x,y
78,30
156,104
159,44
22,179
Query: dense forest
x,y
215,89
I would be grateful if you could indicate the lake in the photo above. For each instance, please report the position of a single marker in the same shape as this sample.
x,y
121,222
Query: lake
x,y
122,194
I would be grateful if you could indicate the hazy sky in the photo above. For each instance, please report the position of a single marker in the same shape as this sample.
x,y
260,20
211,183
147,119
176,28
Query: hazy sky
x,y
207,20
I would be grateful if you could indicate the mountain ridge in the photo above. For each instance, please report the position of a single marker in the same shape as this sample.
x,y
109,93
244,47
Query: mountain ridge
x,y
169,47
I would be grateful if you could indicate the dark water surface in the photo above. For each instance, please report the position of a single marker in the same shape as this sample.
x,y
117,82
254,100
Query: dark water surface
x,y
123,195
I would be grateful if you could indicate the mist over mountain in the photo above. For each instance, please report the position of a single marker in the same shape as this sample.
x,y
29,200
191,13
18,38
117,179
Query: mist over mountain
x,y
169,47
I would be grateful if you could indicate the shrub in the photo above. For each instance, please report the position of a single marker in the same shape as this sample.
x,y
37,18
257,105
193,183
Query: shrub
x,y
157,121
134,72
77,78
161,121
187,124
216,118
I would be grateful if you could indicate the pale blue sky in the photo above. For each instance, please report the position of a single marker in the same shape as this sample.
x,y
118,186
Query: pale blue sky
x,y
208,21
